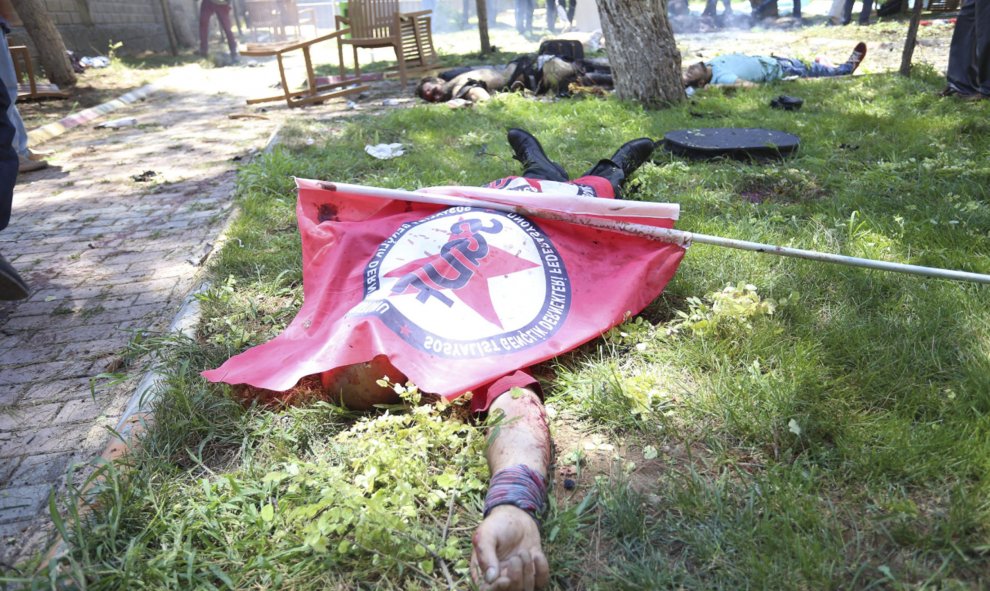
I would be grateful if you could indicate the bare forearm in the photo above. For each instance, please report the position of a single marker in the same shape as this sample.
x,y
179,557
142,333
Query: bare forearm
x,y
522,435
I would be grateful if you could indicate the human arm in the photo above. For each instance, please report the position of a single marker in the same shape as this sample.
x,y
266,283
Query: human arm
x,y
508,554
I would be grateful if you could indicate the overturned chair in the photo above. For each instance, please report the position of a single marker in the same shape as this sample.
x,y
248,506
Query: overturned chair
x,y
379,23
316,91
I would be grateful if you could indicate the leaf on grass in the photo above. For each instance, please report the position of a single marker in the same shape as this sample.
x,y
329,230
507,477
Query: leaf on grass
x,y
267,513
649,452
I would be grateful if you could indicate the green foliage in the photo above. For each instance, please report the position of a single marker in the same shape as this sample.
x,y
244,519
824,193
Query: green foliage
x,y
791,425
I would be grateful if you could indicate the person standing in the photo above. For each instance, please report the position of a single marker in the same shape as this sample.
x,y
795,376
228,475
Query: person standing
x,y
12,287
864,15
220,8
524,16
27,159
968,72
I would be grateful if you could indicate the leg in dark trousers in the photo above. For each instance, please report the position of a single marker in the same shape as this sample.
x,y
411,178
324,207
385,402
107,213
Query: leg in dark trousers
x,y
961,72
206,10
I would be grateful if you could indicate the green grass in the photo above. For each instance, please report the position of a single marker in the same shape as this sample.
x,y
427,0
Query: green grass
x,y
825,428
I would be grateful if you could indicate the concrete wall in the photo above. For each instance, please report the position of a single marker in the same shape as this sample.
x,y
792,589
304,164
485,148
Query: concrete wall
x,y
88,27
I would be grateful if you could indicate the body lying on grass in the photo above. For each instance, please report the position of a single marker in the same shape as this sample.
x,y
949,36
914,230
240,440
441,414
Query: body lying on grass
x,y
507,552
749,70
539,74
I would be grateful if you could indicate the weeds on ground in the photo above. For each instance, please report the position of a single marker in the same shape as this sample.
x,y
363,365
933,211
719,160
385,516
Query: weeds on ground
x,y
766,423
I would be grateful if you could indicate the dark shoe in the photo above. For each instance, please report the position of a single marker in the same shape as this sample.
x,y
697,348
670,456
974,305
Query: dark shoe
x,y
856,58
949,90
536,165
971,98
623,163
633,154
786,103
12,287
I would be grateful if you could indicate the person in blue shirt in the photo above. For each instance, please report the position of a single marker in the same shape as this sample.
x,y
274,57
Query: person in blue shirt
x,y
748,70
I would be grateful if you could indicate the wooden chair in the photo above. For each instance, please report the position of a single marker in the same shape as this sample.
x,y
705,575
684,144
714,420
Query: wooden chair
x,y
315,92
279,16
32,89
378,23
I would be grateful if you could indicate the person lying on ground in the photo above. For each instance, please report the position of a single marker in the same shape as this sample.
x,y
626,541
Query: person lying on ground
x,y
750,70
508,553
542,74
507,550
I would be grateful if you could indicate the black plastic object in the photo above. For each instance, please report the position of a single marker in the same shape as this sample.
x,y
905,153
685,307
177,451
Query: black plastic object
x,y
787,103
569,49
734,142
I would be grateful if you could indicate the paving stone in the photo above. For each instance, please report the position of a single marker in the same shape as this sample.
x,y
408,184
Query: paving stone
x,y
13,418
22,502
56,390
107,257
42,468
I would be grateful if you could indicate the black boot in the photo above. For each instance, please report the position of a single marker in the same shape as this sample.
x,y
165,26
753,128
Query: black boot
x,y
536,165
12,287
623,163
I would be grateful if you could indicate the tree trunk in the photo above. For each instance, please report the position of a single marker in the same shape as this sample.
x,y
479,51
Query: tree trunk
x,y
912,38
47,41
486,46
641,50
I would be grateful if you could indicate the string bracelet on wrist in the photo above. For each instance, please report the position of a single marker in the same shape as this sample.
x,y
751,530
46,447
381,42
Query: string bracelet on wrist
x,y
518,485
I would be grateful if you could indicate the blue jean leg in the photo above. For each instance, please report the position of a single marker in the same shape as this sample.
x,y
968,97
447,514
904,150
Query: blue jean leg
x,y
9,77
792,67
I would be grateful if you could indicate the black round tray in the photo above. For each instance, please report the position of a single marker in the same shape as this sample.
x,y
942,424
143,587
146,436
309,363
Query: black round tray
x,y
733,142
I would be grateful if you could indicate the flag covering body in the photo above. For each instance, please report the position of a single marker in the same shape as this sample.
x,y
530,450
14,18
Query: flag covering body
x,y
457,297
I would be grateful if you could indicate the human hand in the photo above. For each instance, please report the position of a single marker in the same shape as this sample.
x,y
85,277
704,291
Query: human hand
x,y
507,554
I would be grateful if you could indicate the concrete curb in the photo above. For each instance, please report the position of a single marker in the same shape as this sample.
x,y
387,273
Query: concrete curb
x,y
47,132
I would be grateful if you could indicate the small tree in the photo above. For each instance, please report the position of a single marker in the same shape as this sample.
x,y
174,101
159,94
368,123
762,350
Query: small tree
x,y
47,41
644,58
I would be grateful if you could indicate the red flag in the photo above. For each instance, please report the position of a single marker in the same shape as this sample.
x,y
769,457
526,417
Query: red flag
x,y
457,297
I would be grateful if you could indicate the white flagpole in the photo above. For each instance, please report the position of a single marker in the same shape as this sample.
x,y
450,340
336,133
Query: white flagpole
x,y
678,237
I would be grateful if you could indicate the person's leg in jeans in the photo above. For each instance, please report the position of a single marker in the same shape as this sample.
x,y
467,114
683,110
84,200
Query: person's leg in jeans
x,y
791,67
864,15
12,287
9,76
796,12
847,11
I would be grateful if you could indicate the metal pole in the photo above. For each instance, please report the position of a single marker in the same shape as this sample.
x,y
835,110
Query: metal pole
x,y
661,234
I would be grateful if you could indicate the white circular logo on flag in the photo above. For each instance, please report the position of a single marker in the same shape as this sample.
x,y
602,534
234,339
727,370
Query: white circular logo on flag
x,y
467,283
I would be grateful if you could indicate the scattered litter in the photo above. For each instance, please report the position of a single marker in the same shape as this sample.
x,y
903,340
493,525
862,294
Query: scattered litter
x,y
390,102
245,116
95,62
352,106
310,141
144,176
252,63
384,151
689,91
118,123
